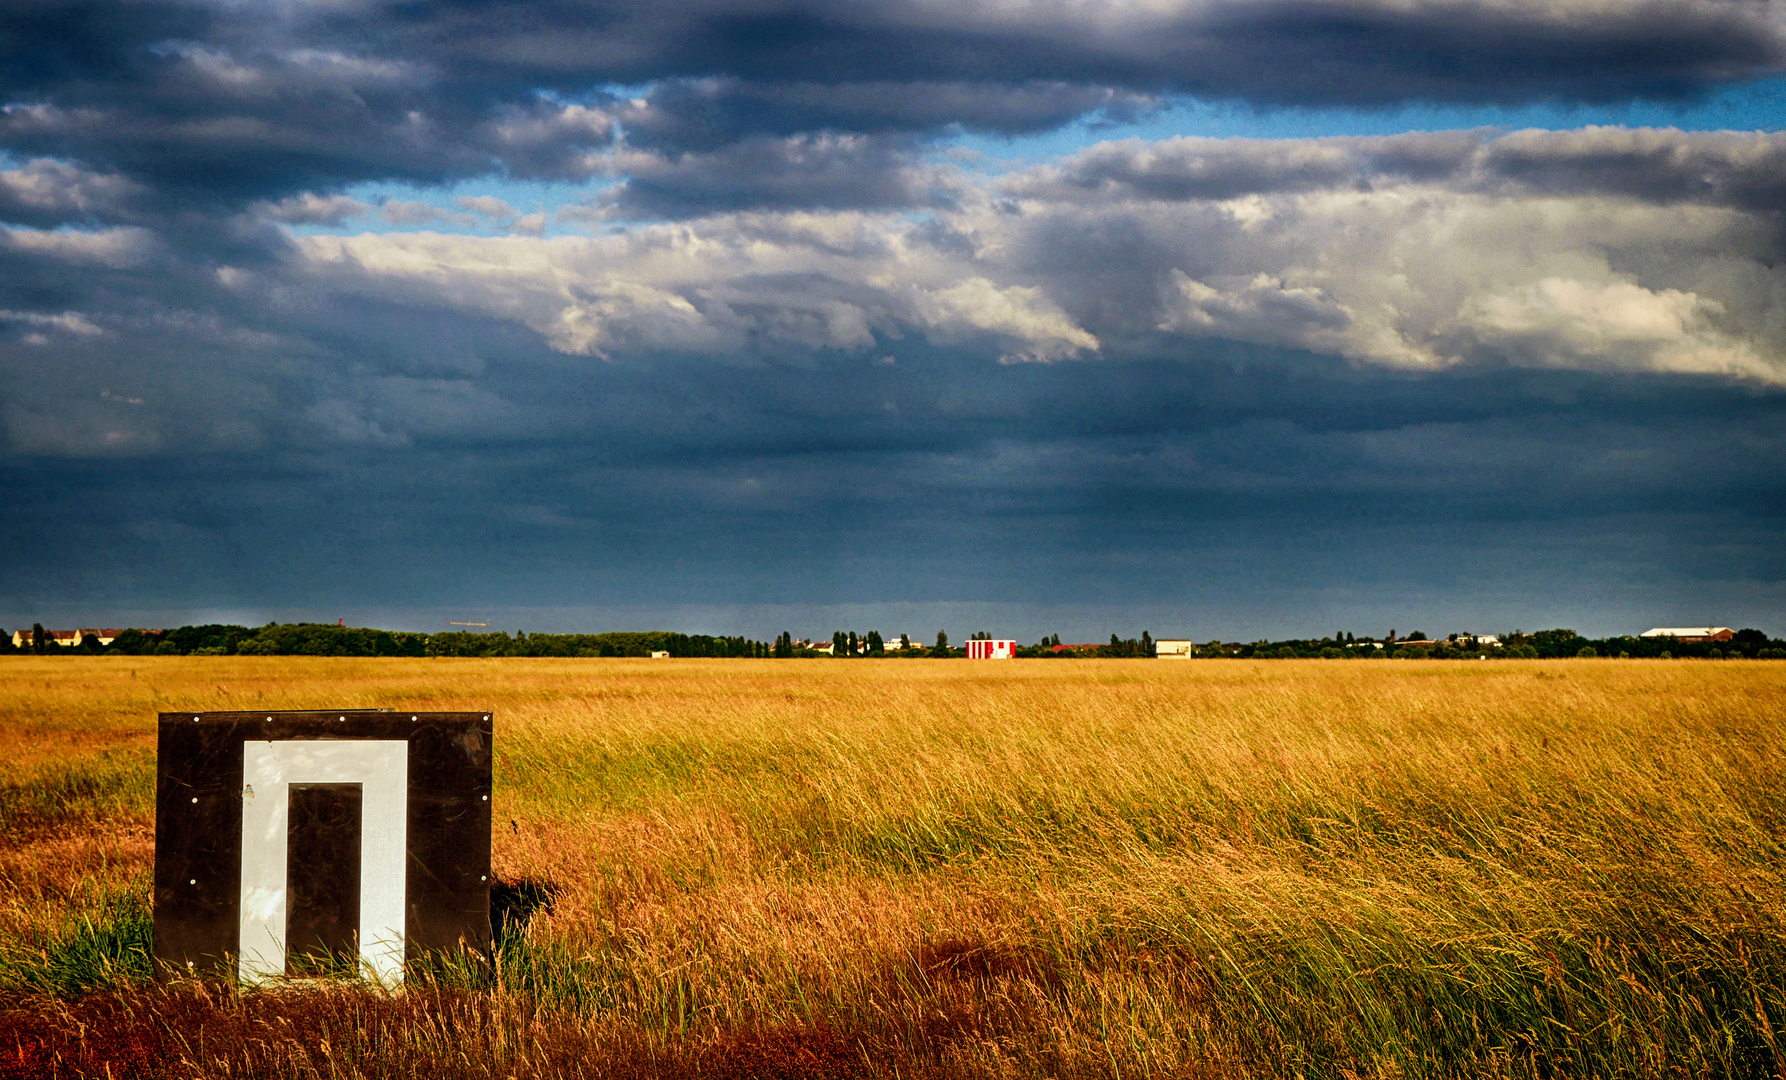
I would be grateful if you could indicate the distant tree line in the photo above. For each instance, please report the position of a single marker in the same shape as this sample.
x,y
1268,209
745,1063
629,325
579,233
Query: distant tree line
x,y
618,643
1518,645
1119,647
323,639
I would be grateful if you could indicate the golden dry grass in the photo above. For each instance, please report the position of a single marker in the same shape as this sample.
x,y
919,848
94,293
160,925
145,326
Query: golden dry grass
x,y
1088,868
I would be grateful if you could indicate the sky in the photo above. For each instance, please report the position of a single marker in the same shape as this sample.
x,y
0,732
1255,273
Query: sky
x,y
1211,318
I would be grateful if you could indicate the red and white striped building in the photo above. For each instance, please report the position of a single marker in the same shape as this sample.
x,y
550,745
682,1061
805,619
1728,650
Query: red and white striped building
x,y
991,650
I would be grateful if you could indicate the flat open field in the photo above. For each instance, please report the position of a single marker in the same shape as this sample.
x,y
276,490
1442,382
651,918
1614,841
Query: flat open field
x,y
942,868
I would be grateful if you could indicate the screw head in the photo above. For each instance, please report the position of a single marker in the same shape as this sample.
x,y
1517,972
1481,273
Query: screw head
x,y
195,800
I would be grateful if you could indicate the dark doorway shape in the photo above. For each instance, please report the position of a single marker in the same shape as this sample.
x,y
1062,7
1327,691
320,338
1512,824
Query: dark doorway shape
x,y
322,878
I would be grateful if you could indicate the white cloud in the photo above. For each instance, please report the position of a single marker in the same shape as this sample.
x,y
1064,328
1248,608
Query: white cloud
x,y
260,73
1557,322
405,212
574,124
51,186
488,206
346,422
1014,312
1264,309
312,209
1431,267
332,65
70,322
1418,252
117,249
814,281
215,65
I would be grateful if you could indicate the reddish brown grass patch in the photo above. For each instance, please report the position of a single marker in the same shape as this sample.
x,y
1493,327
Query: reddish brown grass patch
x,y
422,1035
977,958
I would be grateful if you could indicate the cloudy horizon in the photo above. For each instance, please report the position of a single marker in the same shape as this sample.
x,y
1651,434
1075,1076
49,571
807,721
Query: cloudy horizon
x,y
1214,319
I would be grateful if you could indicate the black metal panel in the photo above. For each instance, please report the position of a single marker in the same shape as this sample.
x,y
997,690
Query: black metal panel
x,y
322,874
448,886
198,840
198,843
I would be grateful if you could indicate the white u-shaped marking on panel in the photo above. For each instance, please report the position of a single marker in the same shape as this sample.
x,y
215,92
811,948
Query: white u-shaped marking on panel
x,y
381,768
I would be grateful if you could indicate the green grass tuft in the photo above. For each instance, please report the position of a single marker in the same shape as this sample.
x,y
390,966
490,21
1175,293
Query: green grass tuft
x,y
95,950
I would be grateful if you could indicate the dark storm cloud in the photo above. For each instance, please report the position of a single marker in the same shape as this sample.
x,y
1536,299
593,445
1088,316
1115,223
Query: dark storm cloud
x,y
837,365
217,105
55,46
1201,169
1725,168
1721,168
1419,252
829,172
680,483
704,114
209,130
1286,52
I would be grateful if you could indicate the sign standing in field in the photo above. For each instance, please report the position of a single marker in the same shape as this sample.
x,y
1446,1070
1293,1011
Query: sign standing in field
x,y
284,836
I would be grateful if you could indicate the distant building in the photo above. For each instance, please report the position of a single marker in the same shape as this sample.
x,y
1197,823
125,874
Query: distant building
x,y
1474,641
1691,633
997,649
660,654
1173,649
68,639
